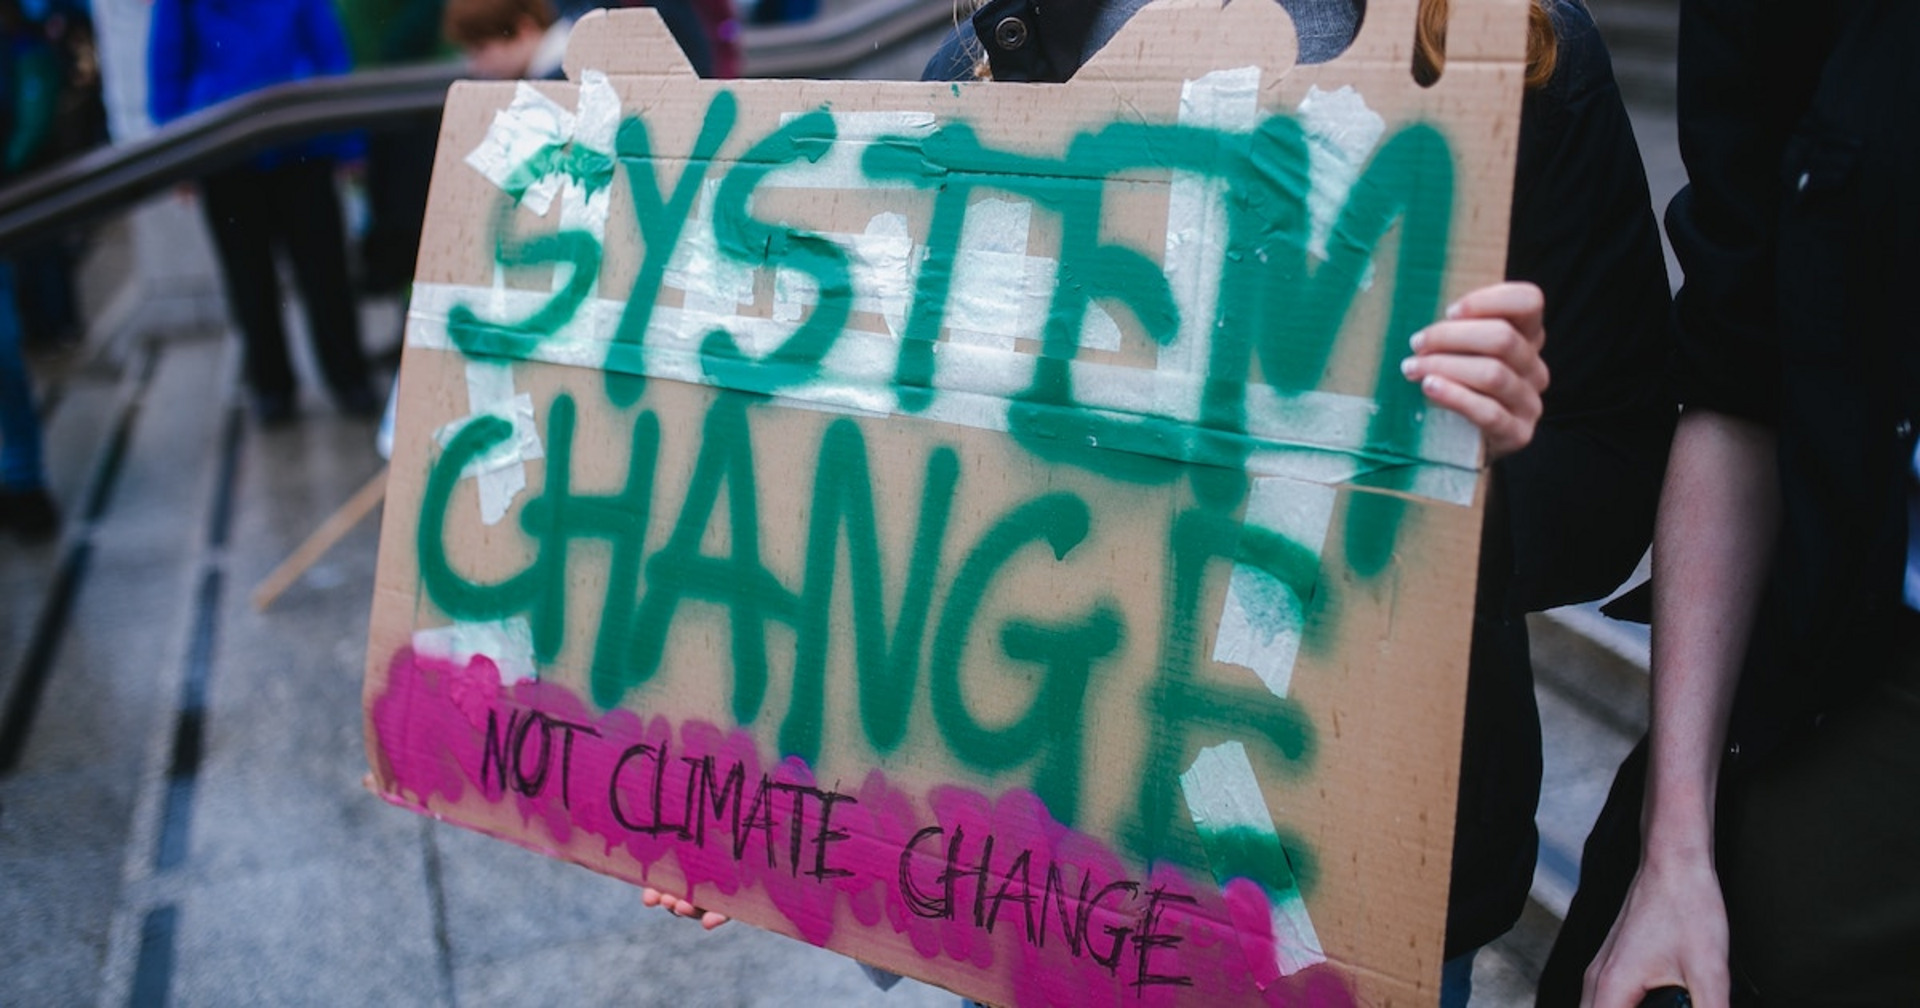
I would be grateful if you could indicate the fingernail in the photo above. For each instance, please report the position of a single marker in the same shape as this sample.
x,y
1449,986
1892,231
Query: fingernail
x,y
1454,310
1407,366
1430,383
1419,339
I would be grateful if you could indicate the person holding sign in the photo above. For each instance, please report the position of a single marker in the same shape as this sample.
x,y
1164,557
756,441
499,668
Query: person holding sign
x,y
1576,466
1759,848
1570,515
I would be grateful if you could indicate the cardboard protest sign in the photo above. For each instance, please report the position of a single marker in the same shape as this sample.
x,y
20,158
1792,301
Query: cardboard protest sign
x,y
980,528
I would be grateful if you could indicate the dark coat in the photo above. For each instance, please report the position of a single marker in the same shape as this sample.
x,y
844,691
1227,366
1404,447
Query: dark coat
x,y
1800,233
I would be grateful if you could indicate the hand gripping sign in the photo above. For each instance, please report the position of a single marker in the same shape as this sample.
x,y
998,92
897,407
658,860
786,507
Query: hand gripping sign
x,y
980,528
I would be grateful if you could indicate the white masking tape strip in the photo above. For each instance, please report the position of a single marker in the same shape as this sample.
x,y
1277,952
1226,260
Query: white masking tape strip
x,y
596,121
854,133
507,643
1262,621
1222,795
1341,135
1197,223
1000,292
1315,436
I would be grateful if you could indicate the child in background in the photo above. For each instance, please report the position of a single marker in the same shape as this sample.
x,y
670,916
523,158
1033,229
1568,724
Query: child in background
x,y
508,39
527,39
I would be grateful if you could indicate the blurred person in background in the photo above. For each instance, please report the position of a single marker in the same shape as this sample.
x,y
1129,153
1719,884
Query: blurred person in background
x,y
722,23
202,52
56,113
29,83
25,507
513,39
773,12
399,161
509,39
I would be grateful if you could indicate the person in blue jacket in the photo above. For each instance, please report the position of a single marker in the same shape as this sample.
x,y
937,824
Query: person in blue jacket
x,y
201,53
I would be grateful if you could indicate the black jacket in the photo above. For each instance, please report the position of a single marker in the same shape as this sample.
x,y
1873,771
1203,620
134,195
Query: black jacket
x,y
1570,515
1799,234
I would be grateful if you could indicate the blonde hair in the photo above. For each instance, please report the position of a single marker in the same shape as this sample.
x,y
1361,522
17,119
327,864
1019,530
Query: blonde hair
x,y
1430,43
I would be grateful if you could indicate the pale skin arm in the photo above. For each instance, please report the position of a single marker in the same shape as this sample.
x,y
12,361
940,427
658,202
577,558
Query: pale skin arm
x,y
1719,512
1483,362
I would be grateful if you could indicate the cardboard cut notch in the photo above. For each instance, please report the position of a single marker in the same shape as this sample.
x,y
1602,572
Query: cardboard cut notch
x,y
979,528
625,42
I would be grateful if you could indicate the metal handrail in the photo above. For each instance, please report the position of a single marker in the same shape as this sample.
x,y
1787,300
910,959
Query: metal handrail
x,y
101,181
110,178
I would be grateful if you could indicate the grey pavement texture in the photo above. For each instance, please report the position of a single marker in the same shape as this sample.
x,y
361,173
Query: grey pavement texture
x,y
268,876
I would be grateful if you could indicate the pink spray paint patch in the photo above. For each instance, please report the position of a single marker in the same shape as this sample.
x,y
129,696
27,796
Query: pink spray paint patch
x,y
991,882
1252,916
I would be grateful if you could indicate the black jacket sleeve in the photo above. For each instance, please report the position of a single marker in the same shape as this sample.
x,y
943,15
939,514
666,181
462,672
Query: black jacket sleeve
x,y
1746,76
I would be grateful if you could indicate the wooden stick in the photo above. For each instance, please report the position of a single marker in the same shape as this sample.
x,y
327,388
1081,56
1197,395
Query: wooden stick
x,y
331,531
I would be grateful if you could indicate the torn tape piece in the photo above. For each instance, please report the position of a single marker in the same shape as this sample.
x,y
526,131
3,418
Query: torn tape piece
x,y
500,473
481,659
1238,835
1341,134
1446,436
508,643
597,117
521,133
1264,617
989,266
1226,99
880,266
